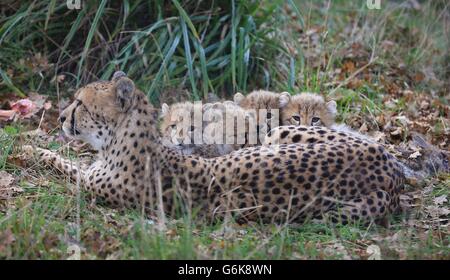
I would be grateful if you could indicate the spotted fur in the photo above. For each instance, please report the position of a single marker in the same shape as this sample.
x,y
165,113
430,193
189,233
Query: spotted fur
x,y
280,183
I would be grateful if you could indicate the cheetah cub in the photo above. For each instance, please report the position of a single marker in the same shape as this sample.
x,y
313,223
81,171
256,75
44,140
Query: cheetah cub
x,y
265,106
209,130
312,110
309,109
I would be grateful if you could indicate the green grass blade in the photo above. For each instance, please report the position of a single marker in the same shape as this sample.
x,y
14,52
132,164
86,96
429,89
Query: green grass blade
x,y
10,85
167,57
9,25
189,61
297,11
73,29
206,82
292,74
98,14
185,16
233,44
50,10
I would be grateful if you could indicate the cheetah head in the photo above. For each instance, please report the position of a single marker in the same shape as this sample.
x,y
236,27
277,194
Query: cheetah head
x,y
310,110
97,109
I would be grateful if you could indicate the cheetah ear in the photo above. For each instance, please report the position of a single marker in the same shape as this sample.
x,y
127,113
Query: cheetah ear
x,y
284,99
212,97
124,88
332,107
238,98
117,75
164,110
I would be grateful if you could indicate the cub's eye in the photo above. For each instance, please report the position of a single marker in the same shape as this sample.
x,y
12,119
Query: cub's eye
x,y
315,120
173,126
296,118
269,116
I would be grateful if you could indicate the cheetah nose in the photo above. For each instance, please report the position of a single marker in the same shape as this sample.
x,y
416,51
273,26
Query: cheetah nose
x,y
62,119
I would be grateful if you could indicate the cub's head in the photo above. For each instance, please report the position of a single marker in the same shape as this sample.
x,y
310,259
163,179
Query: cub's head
x,y
259,100
179,123
98,107
310,110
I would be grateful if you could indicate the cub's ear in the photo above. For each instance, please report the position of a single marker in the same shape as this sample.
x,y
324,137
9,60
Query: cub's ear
x,y
117,75
284,99
238,98
332,107
164,110
212,97
125,95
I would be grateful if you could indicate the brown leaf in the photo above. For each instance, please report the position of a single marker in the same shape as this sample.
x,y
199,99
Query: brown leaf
x,y
6,179
7,189
440,199
24,107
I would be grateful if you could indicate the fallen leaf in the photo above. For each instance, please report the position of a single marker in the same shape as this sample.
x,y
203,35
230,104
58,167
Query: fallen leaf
x,y
440,199
398,131
374,252
436,211
24,107
337,248
415,155
7,189
6,179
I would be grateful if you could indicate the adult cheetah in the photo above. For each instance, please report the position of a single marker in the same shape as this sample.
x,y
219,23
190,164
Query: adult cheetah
x,y
282,183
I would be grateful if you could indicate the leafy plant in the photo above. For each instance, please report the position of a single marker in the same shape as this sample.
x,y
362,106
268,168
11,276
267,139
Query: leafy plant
x,y
212,46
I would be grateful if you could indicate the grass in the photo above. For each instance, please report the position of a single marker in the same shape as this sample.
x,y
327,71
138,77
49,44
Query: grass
x,y
179,44
222,49
48,227
49,218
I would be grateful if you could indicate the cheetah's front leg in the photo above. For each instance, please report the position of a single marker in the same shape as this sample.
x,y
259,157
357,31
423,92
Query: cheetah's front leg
x,y
52,159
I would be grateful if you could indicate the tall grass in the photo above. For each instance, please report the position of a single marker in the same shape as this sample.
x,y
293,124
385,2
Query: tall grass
x,y
207,46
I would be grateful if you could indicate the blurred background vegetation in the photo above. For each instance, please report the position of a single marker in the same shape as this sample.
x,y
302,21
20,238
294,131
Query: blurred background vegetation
x,y
187,47
201,46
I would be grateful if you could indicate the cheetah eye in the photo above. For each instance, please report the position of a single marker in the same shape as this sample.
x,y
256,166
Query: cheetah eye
x,y
315,120
296,118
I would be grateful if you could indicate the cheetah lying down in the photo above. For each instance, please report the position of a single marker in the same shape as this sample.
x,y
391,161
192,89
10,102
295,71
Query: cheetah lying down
x,y
341,181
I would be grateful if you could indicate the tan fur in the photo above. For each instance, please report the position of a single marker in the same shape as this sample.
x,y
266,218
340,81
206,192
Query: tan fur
x,y
177,121
213,127
305,108
263,100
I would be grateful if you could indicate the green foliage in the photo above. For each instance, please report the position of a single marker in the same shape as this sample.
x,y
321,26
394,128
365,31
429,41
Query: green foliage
x,y
212,46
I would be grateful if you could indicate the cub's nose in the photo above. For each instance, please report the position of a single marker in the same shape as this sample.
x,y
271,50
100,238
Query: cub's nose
x,y
62,119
